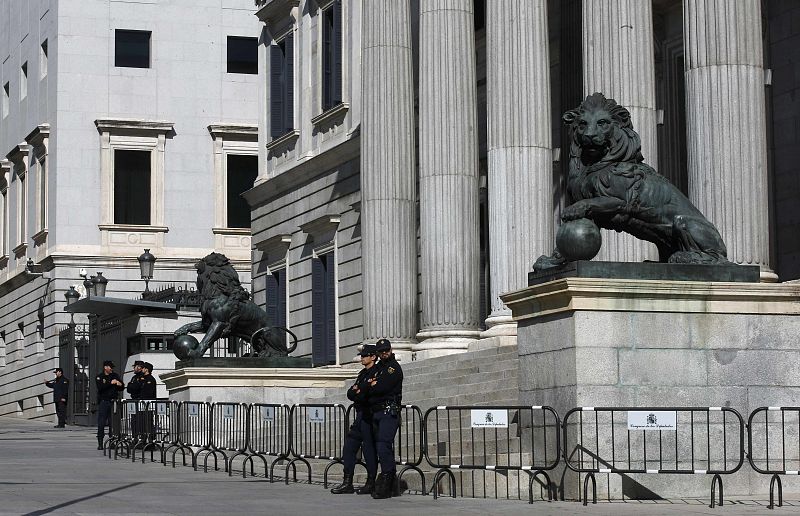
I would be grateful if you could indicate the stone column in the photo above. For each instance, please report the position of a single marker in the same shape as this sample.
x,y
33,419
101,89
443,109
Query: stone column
x,y
619,61
726,124
448,182
388,182
519,149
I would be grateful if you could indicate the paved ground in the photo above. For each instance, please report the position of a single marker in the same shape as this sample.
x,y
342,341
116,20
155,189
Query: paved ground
x,y
50,471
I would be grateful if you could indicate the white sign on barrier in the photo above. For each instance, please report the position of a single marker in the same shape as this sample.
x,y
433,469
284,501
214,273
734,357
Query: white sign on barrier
x,y
194,409
316,414
268,413
228,411
132,408
161,409
652,420
485,418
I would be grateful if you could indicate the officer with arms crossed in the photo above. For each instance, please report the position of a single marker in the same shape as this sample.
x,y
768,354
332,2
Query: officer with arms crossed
x,y
60,388
360,435
385,394
147,391
108,386
134,389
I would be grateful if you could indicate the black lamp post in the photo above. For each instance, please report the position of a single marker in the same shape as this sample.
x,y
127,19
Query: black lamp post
x,y
88,286
146,264
99,284
71,295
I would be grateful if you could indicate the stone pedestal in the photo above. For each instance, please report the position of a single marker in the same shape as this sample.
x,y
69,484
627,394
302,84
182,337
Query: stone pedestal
x,y
626,343
286,385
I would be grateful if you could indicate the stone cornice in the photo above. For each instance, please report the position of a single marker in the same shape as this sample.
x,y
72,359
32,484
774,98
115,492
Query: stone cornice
x,y
240,132
599,294
276,10
321,225
276,243
19,152
38,135
131,124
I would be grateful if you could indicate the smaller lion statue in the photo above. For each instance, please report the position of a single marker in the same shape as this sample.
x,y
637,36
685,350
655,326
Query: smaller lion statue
x,y
226,310
610,185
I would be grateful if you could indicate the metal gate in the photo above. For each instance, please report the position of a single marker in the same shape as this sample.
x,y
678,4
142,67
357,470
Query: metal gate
x,y
73,347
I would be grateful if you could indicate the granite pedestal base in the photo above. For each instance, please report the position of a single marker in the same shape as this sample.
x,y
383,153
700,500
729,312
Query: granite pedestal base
x,y
625,342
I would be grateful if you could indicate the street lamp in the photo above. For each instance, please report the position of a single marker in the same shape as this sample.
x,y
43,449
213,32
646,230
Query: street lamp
x,y
71,295
99,284
88,286
146,264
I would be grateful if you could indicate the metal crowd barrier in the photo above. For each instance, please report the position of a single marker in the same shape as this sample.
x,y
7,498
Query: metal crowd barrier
x,y
229,432
116,433
773,445
269,435
317,432
663,440
164,430
194,431
496,439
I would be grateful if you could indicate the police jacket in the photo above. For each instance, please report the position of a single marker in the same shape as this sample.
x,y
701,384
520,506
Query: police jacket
x,y
388,386
106,391
60,388
147,389
359,398
134,386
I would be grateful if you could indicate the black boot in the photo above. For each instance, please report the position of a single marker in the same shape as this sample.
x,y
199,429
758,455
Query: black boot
x,y
346,486
99,443
383,487
368,487
396,491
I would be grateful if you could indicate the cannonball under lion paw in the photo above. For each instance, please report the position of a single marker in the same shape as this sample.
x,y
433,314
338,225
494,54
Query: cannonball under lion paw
x,y
579,239
183,345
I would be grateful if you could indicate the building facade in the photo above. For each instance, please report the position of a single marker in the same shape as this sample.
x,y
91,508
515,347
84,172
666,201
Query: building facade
x,y
124,126
412,154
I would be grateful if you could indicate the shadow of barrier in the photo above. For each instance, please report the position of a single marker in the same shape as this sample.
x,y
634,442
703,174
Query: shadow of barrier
x,y
499,440
773,446
269,436
654,440
317,432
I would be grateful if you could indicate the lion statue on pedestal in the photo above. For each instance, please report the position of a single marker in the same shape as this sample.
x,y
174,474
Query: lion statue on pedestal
x,y
226,310
610,185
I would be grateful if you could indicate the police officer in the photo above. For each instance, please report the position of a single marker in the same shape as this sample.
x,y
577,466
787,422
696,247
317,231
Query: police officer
x,y
147,391
360,434
60,386
108,386
385,393
134,386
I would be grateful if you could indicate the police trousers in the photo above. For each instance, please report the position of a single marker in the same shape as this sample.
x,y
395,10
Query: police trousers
x,y
384,427
61,412
359,436
103,418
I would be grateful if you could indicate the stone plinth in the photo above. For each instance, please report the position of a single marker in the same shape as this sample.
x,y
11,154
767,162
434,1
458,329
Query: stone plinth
x,y
621,342
287,385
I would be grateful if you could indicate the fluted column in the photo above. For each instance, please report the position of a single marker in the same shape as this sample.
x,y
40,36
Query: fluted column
x,y
519,149
619,61
388,197
726,124
448,180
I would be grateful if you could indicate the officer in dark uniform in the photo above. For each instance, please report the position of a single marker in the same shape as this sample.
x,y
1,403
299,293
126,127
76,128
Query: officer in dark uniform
x,y
108,386
360,434
134,388
385,394
147,391
60,388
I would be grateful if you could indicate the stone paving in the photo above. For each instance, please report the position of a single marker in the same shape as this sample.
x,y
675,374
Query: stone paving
x,y
51,471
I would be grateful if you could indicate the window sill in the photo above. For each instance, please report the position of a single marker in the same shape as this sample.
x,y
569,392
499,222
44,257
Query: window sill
x,y
40,237
284,140
332,115
133,228
232,231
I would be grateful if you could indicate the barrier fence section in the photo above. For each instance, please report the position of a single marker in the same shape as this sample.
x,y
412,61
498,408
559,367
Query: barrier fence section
x,y
655,440
494,439
268,426
194,430
116,433
773,445
317,432
229,433
164,430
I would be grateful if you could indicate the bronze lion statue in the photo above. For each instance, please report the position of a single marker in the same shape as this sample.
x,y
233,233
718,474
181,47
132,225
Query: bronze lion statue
x,y
609,185
226,310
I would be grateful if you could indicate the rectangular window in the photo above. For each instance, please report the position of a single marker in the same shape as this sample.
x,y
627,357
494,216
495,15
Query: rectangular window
x,y
276,297
281,87
23,81
2,349
242,55
41,177
6,97
132,48
22,206
131,187
43,60
241,174
4,223
332,55
323,310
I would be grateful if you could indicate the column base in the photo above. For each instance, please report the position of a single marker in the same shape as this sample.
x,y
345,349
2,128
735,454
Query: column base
x,y
500,325
439,343
768,275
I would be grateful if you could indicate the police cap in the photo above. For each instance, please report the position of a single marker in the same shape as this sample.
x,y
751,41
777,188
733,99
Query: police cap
x,y
148,366
139,363
367,350
108,363
58,370
383,345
